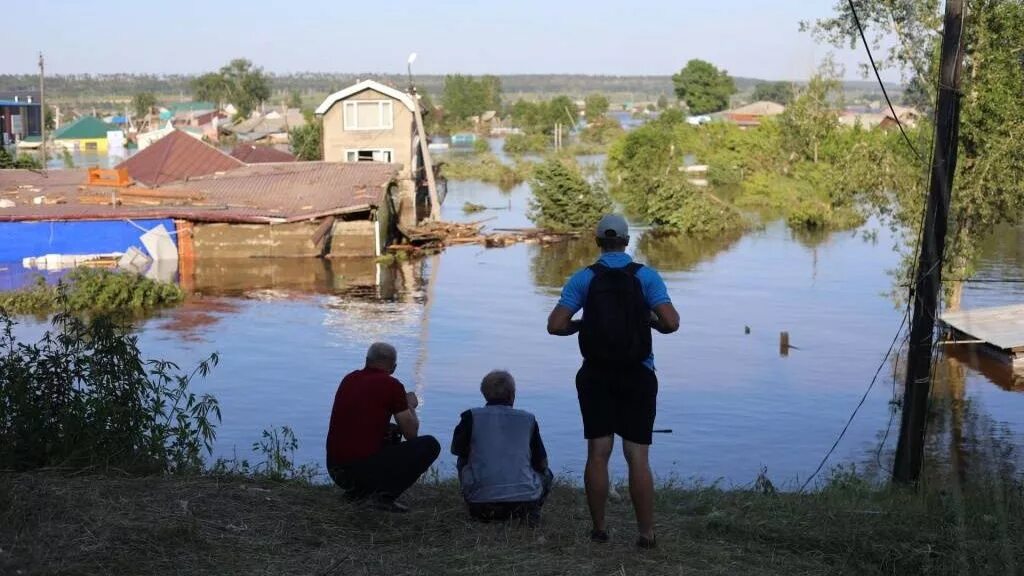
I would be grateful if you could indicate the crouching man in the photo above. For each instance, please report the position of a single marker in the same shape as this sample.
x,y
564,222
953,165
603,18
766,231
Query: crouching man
x,y
503,467
364,457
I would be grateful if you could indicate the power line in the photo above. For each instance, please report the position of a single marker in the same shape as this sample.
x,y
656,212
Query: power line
x,y
860,30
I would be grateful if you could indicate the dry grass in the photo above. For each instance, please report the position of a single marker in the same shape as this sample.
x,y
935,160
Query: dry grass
x,y
105,524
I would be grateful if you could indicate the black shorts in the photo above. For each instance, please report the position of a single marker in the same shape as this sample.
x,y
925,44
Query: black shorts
x,y
617,401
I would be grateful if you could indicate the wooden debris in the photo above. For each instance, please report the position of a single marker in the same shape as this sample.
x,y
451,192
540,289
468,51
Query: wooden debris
x,y
433,236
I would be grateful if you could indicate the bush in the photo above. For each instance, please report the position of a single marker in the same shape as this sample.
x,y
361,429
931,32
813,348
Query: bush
x,y
563,199
526,144
676,205
93,290
83,397
486,168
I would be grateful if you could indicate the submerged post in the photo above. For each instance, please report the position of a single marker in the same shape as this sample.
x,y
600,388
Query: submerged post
x,y
928,281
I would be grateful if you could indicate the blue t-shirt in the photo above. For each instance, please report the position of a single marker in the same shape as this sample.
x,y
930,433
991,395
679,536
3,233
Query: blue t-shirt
x,y
574,293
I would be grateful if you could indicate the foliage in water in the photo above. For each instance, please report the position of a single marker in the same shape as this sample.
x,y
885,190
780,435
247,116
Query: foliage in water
x,y
93,290
83,396
563,199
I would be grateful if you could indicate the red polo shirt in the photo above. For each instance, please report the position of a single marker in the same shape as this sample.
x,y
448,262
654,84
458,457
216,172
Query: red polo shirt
x,y
364,404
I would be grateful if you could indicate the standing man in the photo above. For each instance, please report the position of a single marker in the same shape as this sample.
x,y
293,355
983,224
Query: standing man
x,y
617,387
362,457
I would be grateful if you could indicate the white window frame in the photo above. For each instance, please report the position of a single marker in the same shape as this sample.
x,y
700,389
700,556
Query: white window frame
x,y
355,151
386,110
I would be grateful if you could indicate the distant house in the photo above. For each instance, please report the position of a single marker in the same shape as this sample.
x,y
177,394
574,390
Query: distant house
x,y
260,154
20,117
88,133
177,157
751,114
270,128
373,122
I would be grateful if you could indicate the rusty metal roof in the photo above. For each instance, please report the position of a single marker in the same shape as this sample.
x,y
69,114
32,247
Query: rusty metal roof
x,y
256,193
175,157
299,190
257,154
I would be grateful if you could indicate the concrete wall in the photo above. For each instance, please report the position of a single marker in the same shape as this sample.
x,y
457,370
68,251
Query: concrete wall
x,y
399,139
255,240
353,238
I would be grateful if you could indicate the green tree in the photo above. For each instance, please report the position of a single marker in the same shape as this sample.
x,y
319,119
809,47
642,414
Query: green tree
x,y
238,83
307,141
662,102
295,99
779,92
596,106
811,117
563,199
703,87
463,97
491,88
143,104
6,161
989,185
50,118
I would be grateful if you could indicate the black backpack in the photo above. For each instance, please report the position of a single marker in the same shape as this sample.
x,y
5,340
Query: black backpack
x,y
616,330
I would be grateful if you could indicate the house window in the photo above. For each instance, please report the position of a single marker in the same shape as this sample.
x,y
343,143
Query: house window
x,y
369,155
91,146
368,115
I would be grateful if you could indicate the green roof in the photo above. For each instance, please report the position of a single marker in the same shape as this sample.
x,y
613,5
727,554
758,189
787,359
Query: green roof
x,y
191,107
85,128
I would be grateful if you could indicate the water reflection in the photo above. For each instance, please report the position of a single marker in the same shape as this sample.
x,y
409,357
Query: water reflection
x,y
677,253
552,264
250,276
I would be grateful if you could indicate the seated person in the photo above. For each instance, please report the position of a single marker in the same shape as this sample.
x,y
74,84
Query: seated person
x,y
503,467
364,457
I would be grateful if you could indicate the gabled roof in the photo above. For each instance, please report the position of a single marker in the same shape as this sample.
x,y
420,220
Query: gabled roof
x,y
365,85
256,154
85,128
761,108
175,157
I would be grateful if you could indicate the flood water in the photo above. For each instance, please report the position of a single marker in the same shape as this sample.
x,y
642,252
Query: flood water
x,y
287,331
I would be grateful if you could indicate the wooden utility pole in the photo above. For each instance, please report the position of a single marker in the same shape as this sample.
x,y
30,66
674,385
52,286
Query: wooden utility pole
x,y
42,112
428,165
928,283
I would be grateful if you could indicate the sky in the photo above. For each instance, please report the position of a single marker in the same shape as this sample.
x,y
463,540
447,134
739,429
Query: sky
x,y
755,38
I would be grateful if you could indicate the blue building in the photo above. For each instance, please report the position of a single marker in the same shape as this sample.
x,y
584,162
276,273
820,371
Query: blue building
x,y
21,116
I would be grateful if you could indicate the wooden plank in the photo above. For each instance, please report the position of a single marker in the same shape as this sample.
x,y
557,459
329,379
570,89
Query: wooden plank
x,y
1002,326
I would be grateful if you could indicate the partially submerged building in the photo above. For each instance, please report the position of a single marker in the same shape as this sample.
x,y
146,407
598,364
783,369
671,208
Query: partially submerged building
x,y
276,210
88,133
370,122
751,115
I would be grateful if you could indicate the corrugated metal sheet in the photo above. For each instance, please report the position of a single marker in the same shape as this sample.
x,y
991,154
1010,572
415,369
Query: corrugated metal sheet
x,y
255,154
175,157
253,193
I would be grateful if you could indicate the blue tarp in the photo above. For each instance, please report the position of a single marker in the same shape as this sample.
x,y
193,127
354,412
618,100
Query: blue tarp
x,y
20,240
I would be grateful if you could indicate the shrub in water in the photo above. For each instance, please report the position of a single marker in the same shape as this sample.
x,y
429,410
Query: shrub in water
x,y
93,290
82,396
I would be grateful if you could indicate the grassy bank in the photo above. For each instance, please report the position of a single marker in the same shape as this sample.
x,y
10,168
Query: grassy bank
x,y
89,524
486,168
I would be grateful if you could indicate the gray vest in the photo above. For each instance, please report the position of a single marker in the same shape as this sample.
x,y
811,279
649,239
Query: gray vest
x,y
499,468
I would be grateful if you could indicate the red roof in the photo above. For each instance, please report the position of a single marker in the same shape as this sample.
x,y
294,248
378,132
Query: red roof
x,y
255,193
174,157
256,154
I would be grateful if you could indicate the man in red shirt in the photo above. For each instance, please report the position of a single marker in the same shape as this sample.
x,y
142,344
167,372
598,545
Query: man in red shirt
x,y
361,457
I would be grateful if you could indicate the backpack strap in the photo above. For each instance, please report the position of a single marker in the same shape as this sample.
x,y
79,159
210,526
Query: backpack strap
x,y
633,268
597,268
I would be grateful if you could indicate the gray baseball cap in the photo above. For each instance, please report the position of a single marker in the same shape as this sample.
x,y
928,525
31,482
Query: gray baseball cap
x,y
613,226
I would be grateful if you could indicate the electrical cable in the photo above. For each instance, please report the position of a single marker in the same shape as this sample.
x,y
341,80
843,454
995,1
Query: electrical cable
x,y
915,277
878,76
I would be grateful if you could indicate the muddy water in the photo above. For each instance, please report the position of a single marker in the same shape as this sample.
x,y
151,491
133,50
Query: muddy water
x,y
288,330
